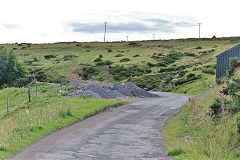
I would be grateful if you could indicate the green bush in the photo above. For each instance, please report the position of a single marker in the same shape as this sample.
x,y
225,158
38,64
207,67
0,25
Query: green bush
x,y
49,56
199,47
102,63
137,55
212,72
149,81
100,56
11,70
182,73
232,106
88,71
125,60
134,44
120,72
191,77
234,63
119,55
215,108
190,54
175,152
97,59
109,50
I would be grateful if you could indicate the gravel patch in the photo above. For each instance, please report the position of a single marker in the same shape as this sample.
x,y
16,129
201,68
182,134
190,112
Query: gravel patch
x,y
116,90
85,93
131,90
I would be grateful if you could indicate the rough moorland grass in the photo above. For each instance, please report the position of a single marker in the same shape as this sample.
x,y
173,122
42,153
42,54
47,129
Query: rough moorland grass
x,y
199,136
30,122
55,69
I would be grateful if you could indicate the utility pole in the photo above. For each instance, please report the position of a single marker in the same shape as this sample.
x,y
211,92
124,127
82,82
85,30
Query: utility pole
x,y
199,25
127,38
105,23
154,36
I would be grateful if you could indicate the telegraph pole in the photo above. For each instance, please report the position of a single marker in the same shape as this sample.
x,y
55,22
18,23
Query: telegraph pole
x,y
154,36
199,25
127,38
105,23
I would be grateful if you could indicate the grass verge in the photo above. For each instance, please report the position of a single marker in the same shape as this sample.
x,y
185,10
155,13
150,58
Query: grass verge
x,y
29,123
199,136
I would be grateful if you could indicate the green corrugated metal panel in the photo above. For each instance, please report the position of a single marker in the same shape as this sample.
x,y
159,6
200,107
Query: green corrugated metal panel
x,y
223,60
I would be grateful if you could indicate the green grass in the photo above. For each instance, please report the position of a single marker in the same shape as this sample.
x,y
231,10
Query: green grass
x,y
201,138
27,123
57,70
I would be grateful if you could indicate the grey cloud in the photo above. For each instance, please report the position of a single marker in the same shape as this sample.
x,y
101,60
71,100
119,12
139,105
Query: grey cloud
x,y
145,25
12,26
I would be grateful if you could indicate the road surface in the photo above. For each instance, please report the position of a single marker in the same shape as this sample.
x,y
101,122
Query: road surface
x,y
129,132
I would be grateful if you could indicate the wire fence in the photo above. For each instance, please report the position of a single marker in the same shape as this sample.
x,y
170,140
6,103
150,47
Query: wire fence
x,y
13,98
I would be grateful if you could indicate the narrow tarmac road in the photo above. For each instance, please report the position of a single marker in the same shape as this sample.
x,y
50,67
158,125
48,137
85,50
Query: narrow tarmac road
x,y
129,132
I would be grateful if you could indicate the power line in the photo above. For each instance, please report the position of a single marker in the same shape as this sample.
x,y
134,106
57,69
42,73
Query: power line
x,y
105,31
199,25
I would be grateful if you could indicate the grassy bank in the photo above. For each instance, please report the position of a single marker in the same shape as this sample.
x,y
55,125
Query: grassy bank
x,y
26,123
196,134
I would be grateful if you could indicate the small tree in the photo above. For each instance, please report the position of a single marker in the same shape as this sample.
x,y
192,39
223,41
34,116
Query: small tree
x,y
12,72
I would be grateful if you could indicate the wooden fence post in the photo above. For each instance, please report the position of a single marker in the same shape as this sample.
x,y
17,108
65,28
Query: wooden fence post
x,y
29,94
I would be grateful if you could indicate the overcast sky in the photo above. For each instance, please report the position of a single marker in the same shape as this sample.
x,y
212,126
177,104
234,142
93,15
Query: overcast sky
x,y
44,21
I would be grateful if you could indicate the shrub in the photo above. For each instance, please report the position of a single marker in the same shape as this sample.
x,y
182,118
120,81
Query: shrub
x,y
198,47
149,81
100,56
234,63
175,152
134,44
125,60
109,50
88,71
190,54
102,63
49,56
175,55
119,55
97,59
232,106
3,147
11,69
219,81
120,72
182,73
215,108
212,72
137,55
190,77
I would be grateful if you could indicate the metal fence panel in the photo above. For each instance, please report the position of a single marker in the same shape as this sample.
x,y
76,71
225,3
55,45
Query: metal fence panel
x,y
223,60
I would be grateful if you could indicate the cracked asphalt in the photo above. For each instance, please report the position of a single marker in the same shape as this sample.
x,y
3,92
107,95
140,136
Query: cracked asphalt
x,y
130,132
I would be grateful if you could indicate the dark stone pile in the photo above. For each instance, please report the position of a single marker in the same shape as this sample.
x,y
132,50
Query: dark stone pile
x,y
117,90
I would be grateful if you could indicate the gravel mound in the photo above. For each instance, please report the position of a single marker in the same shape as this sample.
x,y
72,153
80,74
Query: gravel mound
x,y
102,92
131,90
116,90
85,93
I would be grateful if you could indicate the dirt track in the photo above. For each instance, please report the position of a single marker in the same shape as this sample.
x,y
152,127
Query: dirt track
x,y
129,132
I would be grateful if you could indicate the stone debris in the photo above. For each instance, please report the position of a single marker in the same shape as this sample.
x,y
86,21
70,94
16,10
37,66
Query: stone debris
x,y
106,91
